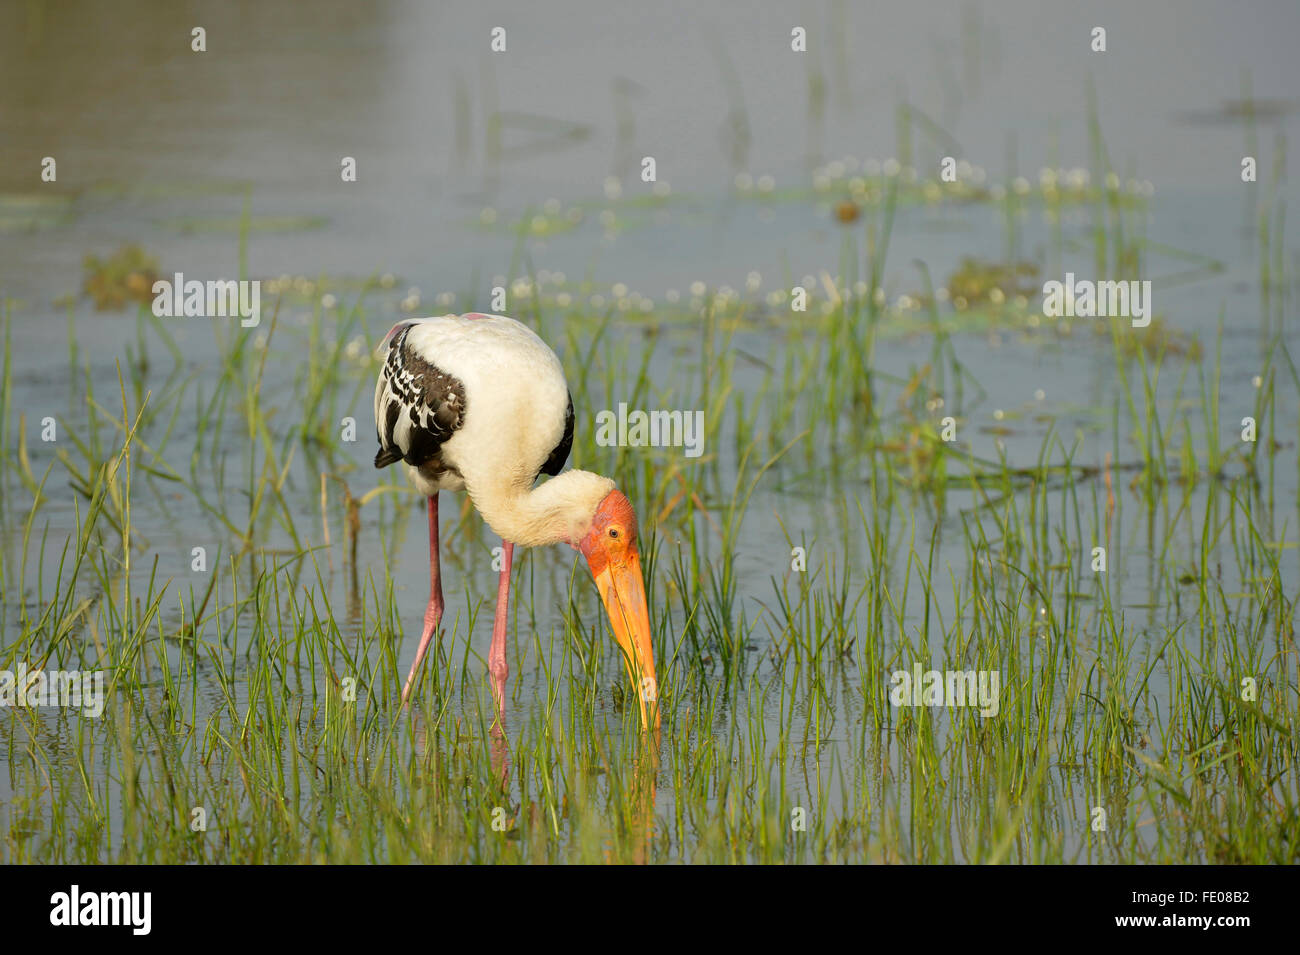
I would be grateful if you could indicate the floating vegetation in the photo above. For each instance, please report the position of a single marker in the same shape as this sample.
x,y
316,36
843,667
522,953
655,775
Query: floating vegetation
x,y
236,224
27,212
1247,110
125,276
1158,340
168,190
977,283
552,219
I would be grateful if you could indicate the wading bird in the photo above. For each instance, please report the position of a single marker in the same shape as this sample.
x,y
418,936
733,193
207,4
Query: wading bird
x,y
479,403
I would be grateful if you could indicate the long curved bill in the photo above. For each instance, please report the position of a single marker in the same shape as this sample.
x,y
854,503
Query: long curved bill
x,y
623,593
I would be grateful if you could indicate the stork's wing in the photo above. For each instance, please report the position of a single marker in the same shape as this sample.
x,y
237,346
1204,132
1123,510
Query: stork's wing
x,y
561,453
418,406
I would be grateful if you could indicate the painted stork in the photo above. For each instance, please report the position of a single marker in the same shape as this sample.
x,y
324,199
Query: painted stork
x,y
479,403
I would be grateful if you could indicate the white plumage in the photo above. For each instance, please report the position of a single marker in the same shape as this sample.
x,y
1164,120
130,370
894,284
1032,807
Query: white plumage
x,y
482,405
479,403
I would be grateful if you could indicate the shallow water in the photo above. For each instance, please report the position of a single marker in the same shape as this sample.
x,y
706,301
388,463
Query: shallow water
x,y
167,148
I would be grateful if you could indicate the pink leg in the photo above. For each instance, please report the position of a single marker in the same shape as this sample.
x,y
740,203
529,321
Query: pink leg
x,y
433,613
497,666
501,755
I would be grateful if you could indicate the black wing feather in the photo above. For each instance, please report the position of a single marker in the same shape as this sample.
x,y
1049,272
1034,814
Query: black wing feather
x,y
421,406
561,453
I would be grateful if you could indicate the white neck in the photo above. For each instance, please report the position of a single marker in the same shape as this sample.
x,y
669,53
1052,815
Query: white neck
x,y
557,511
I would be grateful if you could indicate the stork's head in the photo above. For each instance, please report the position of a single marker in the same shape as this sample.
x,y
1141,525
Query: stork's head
x,y
610,547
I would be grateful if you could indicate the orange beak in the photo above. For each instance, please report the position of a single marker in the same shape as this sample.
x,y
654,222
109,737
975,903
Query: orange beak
x,y
611,552
623,593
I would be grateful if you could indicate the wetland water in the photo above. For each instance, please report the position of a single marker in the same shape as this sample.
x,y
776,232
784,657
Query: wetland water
x,y
820,452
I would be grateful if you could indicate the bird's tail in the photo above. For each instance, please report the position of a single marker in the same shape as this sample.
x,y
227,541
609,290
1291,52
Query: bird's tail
x,y
387,456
